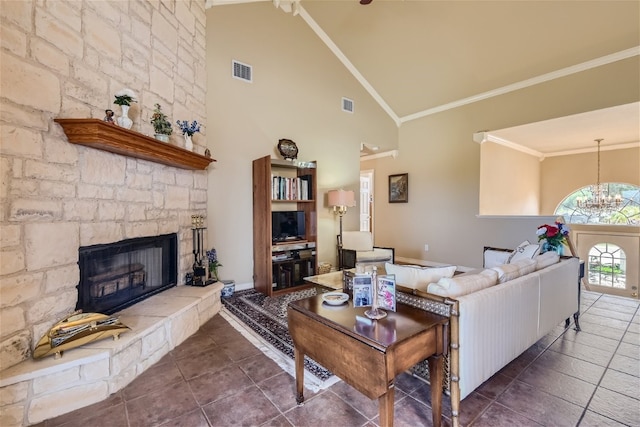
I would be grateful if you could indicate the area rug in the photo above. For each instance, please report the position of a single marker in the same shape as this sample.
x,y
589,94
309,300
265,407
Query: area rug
x,y
263,321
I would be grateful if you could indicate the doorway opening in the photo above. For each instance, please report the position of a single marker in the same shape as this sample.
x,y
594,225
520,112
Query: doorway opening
x,y
366,200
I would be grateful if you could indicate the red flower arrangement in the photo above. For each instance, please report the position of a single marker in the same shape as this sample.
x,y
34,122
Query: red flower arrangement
x,y
555,235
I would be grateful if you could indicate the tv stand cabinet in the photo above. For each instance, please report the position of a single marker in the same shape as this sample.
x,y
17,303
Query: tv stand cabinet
x,y
280,267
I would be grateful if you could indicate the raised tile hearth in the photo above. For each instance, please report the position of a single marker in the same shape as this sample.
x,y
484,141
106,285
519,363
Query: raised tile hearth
x,y
36,390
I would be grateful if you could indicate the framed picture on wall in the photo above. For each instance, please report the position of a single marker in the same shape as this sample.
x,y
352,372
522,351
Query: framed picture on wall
x,y
399,188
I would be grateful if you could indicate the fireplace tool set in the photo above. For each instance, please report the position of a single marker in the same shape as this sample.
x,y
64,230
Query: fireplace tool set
x,y
199,275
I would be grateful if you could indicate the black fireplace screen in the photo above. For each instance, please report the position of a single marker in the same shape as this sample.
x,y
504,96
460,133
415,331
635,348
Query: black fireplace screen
x,y
116,275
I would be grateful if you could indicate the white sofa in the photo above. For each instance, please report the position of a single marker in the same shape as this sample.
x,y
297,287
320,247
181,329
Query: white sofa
x,y
494,323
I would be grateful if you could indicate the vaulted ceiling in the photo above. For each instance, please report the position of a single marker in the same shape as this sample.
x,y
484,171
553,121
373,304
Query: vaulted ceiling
x,y
420,57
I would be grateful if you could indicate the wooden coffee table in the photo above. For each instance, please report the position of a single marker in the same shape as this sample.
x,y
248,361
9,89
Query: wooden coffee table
x,y
368,354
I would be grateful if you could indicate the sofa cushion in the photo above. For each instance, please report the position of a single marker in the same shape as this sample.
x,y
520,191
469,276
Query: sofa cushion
x,y
464,284
526,266
525,250
515,269
546,259
495,257
411,275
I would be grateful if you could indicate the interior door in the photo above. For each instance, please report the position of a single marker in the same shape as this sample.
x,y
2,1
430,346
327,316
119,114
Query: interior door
x,y
612,261
366,198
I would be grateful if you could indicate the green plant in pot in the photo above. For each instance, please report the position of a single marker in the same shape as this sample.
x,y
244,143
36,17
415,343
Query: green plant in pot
x,y
161,125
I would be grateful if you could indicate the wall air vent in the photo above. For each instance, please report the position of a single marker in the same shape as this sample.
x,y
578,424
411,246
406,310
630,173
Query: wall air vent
x,y
347,105
241,71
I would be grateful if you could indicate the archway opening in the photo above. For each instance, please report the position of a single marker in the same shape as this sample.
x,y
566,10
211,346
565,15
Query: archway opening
x,y
627,212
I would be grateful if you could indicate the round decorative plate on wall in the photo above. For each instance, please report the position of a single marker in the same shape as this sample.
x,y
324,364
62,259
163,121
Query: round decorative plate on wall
x,y
288,149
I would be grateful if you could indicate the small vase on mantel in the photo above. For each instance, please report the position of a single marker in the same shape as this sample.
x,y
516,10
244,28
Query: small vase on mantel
x,y
162,137
188,143
124,120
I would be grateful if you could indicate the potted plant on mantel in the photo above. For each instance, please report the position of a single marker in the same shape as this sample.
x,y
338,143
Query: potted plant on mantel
x,y
161,126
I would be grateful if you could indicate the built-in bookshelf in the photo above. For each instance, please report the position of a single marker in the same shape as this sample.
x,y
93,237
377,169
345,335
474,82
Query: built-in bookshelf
x,y
281,185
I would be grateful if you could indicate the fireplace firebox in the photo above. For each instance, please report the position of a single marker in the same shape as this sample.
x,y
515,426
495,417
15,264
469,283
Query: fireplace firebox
x,y
117,275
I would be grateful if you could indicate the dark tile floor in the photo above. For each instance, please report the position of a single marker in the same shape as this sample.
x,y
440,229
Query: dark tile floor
x,y
218,378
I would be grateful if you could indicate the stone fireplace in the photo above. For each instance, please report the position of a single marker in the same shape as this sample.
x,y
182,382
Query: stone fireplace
x,y
136,215
57,197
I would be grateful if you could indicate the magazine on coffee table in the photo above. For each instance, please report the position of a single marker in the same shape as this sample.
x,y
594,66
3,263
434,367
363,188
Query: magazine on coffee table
x,y
387,292
362,290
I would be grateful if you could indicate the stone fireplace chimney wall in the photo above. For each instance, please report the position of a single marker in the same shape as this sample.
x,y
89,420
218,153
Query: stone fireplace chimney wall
x,y
66,59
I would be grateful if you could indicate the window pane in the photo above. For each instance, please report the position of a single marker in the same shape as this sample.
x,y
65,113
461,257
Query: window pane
x,y
607,266
626,213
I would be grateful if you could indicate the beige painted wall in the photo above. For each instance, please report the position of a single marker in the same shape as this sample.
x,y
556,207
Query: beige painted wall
x,y
512,182
509,181
443,164
296,94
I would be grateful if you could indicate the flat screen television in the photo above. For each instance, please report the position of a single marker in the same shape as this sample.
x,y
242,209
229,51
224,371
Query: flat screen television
x,y
287,226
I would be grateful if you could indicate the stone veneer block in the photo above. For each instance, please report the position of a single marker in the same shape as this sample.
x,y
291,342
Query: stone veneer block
x,y
50,405
183,326
89,374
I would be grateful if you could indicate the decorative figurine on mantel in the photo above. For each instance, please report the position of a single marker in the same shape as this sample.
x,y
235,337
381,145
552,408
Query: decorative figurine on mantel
x,y
108,117
288,149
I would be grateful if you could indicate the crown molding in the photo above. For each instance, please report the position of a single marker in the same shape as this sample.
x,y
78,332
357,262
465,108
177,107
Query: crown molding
x,y
485,136
391,153
598,62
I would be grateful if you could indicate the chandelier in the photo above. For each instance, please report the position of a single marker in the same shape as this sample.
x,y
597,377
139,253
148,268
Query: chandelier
x,y
600,202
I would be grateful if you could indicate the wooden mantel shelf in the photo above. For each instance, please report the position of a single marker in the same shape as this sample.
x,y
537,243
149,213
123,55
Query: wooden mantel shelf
x,y
115,139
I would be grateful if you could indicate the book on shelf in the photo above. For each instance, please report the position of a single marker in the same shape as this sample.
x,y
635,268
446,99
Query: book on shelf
x,y
295,188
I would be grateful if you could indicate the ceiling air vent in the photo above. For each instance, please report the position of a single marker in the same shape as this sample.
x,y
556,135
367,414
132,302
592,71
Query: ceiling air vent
x,y
347,105
242,71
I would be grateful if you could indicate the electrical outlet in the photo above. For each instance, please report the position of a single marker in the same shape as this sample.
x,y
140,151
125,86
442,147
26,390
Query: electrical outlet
x,y
426,247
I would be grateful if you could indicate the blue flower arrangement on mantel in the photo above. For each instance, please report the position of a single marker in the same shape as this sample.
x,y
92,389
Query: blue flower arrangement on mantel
x,y
188,129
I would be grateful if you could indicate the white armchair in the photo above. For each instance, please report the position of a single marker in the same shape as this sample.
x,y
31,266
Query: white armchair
x,y
357,247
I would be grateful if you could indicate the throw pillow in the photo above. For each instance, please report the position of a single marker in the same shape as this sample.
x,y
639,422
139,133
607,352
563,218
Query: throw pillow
x,y
525,250
457,286
411,275
493,257
546,259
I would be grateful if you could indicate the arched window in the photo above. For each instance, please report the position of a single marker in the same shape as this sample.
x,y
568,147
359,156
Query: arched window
x,y
607,266
626,213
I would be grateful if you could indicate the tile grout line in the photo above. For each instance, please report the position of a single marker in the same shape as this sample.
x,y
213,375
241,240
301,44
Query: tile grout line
x,y
595,390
